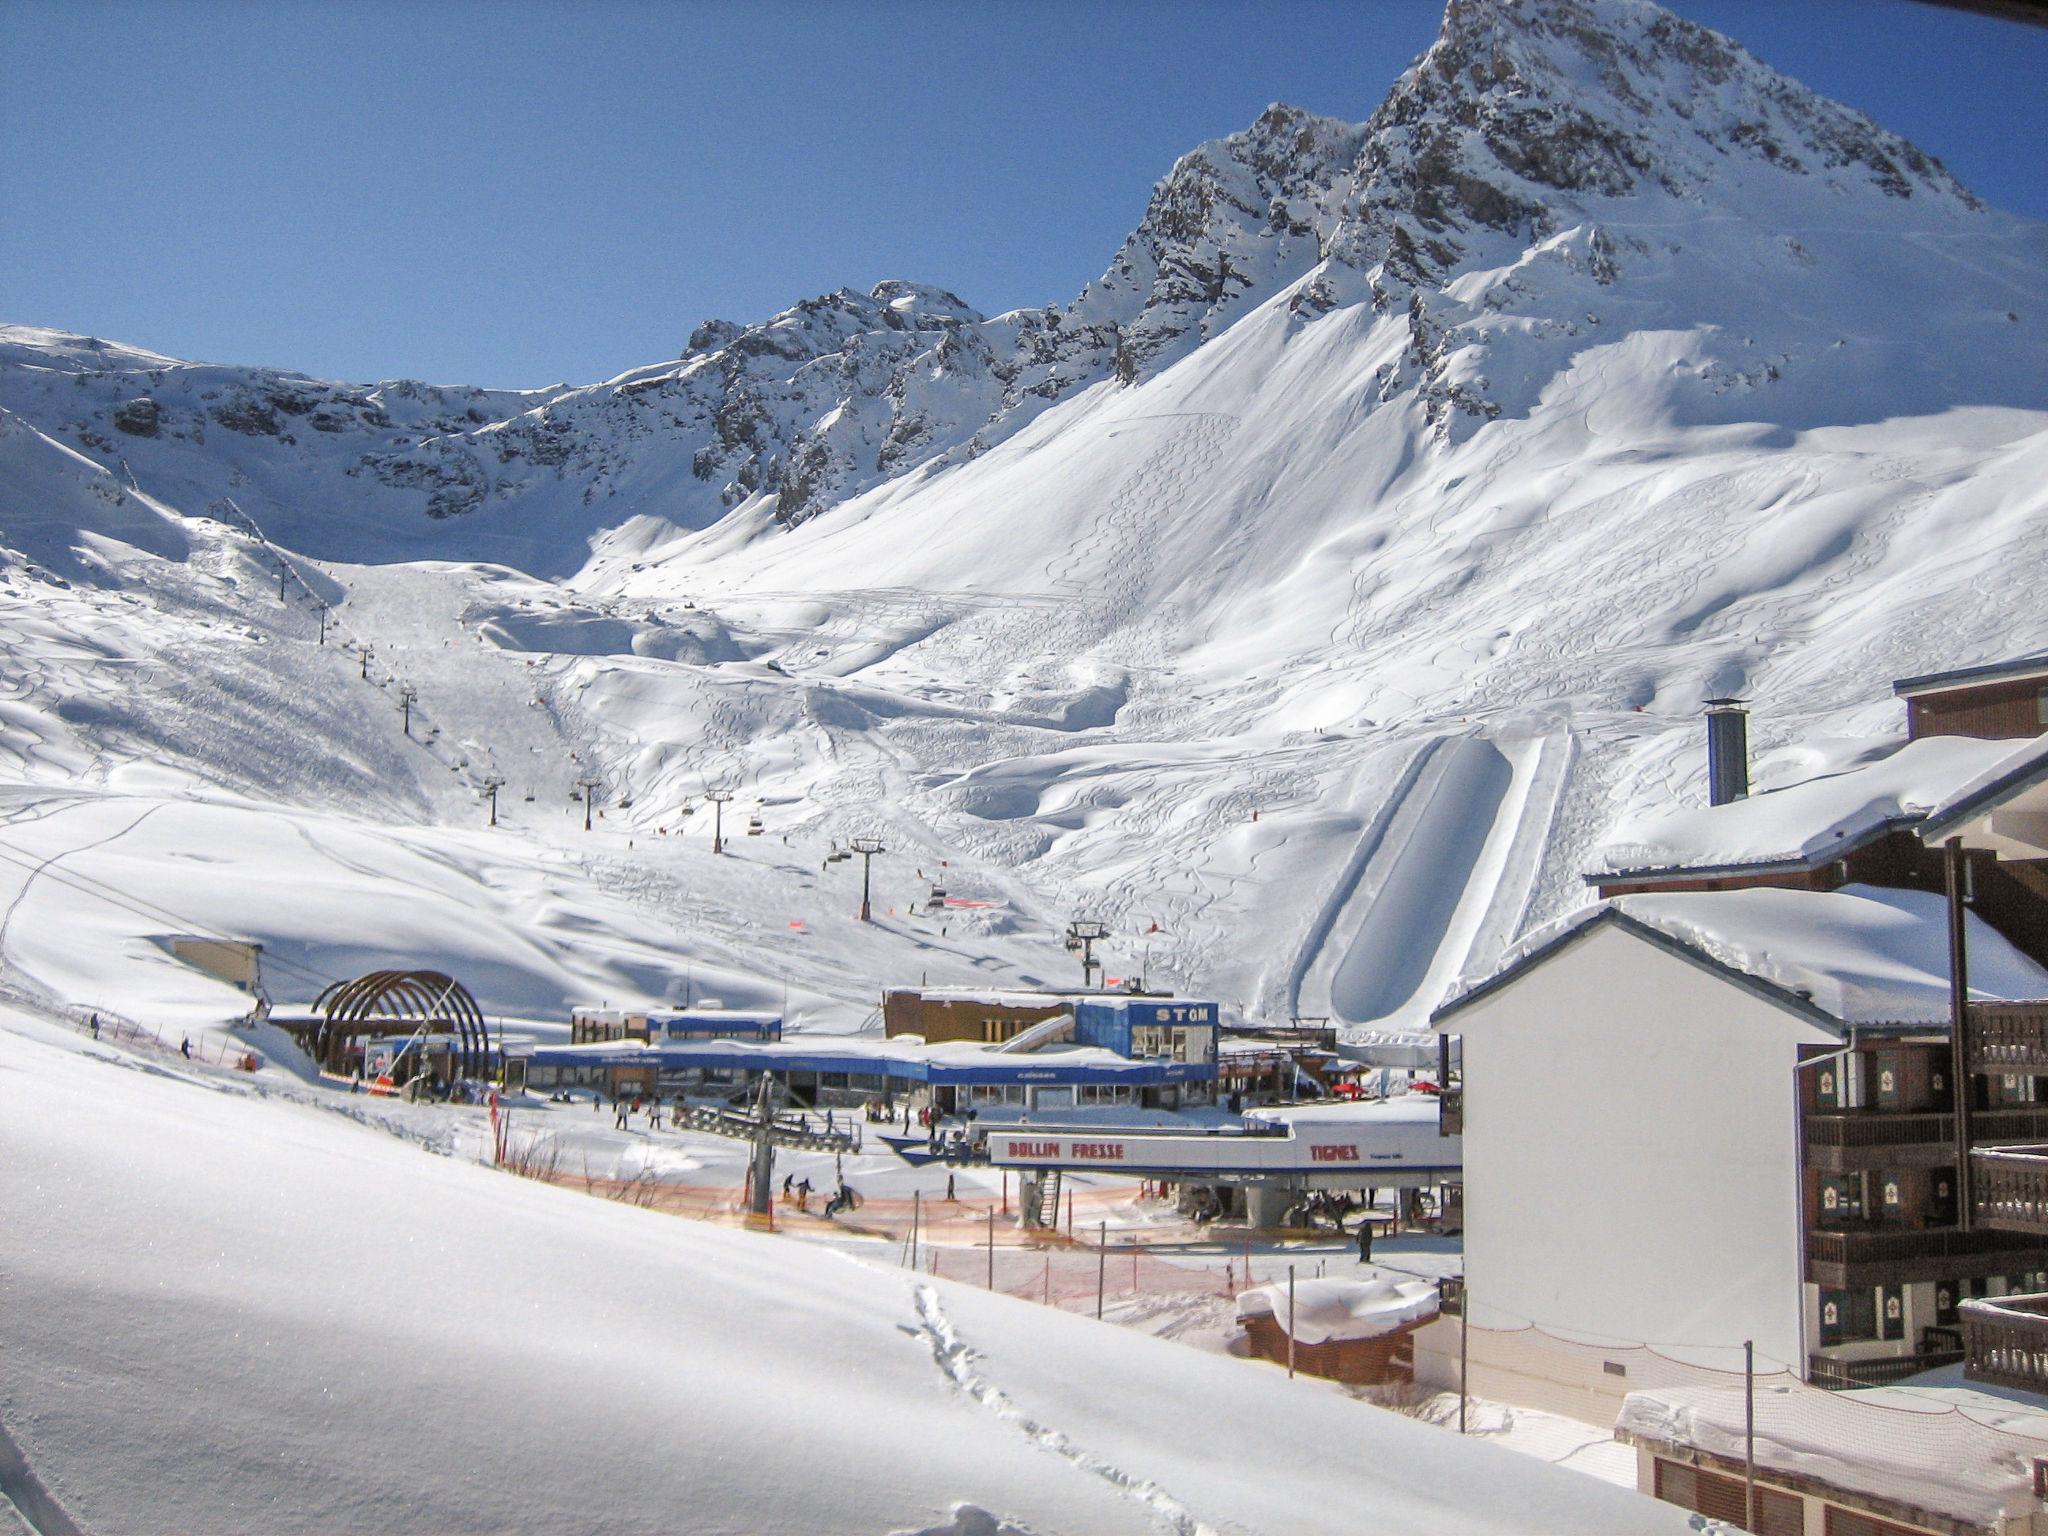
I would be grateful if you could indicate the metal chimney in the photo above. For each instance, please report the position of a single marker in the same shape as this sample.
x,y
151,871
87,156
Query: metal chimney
x,y
1727,751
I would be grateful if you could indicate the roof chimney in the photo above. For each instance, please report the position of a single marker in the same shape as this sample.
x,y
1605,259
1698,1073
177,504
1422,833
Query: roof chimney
x,y
1727,751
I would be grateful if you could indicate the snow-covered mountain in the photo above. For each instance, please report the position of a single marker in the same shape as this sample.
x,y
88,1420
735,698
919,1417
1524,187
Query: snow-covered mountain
x,y
1305,597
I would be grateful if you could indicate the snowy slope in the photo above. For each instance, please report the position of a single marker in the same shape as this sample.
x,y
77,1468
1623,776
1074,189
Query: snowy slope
x,y
1306,599
223,1312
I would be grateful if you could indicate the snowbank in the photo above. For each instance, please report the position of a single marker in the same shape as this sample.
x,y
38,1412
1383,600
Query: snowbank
x,y
221,1311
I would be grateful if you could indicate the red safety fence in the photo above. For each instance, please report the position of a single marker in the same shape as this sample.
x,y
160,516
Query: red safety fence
x,y
1076,1276
208,1048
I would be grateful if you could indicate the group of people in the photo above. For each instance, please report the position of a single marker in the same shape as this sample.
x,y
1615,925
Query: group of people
x,y
624,1109
842,1199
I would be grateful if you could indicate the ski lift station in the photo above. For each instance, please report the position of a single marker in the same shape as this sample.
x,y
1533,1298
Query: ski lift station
x,y
1149,1053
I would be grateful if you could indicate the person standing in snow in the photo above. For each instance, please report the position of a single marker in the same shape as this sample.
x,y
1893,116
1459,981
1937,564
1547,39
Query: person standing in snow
x,y
619,1113
1365,1241
185,1047
950,1196
95,1026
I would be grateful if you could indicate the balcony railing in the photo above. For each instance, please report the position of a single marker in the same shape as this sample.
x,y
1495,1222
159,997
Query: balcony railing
x,y
1839,1375
1877,1138
1450,1112
1882,1256
2009,1037
1880,1128
2009,1188
2005,1341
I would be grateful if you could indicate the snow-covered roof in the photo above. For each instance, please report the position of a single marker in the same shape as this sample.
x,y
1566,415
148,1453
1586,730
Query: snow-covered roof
x,y
1943,1450
1402,1107
1998,786
2018,669
993,997
1326,1309
1862,955
1814,821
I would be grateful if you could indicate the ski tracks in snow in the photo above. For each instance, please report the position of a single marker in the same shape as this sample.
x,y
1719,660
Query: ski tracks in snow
x,y
963,1367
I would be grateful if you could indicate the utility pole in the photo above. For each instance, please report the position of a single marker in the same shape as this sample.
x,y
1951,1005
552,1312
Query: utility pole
x,y
323,623
406,694
367,654
1083,934
589,788
867,848
491,787
718,797
1749,1434
282,571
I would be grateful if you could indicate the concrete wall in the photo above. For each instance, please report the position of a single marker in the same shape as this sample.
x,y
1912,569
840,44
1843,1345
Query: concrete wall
x,y
1631,1155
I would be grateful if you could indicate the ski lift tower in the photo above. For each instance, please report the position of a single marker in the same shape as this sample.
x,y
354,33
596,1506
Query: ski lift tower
x,y
761,1168
867,848
718,797
1083,934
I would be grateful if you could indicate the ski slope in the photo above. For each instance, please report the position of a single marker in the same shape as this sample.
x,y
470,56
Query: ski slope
x,y
1316,646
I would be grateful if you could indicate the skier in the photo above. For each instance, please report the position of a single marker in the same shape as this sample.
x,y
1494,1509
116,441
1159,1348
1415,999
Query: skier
x,y
185,1047
1365,1241
619,1113
788,1180
950,1196
95,1026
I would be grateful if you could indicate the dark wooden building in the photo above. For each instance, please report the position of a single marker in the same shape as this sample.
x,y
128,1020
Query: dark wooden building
x,y
2004,700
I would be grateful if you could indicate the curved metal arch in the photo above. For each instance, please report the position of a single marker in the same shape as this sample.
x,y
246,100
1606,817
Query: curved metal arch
x,y
407,998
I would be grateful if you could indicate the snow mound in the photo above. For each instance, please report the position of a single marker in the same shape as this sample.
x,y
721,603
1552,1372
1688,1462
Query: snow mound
x,y
1327,1309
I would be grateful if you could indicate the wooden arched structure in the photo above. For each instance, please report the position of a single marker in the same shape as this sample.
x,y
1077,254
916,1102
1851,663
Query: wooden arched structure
x,y
398,1003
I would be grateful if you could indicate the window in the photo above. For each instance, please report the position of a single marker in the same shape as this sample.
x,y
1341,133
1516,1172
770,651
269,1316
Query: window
x,y
1945,1302
1847,1315
1722,1498
1831,1085
1841,1200
2041,707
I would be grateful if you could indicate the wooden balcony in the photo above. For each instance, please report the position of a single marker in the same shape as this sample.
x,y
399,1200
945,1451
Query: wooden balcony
x,y
1874,1138
1450,1112
1853,1139
1904,1255
2009,1037
2005,1341
2009,1189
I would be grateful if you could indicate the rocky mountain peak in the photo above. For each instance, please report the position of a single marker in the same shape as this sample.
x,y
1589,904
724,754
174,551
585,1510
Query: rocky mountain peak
x,y
1521,101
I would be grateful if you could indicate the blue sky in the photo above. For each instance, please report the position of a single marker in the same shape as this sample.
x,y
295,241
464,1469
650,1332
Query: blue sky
x,y
518,193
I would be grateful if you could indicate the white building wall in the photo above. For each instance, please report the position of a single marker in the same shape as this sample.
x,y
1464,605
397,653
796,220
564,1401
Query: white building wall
x,y
1631,1155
